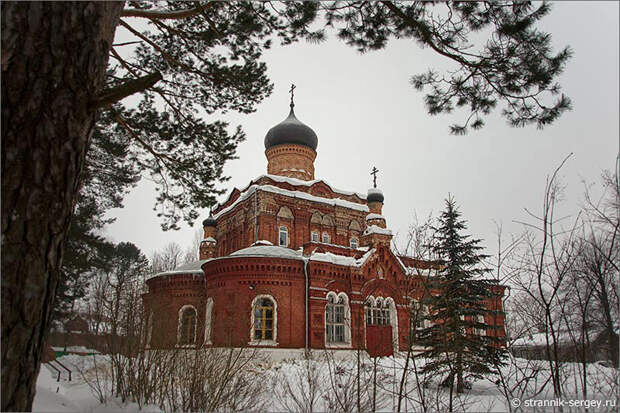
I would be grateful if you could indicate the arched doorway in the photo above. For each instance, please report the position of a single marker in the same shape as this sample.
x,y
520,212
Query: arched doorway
x,y
381,326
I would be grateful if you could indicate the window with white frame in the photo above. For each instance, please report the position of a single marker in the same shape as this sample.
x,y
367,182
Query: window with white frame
x,y
283,240
354,242
480,330
186,333
337,320
264,319
377,312
334,320
325,238
315,236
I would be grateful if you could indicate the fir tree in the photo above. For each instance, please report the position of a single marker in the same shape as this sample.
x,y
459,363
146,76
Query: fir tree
x,y
457,306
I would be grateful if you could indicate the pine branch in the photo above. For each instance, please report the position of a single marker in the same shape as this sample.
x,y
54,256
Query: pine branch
x,y
115,94
161,15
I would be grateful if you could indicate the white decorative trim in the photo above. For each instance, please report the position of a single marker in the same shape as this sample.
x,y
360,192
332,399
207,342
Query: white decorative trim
x,y
208,321
179,324
274,341
318,288
269,343
286,231
393,321
318,298
149,330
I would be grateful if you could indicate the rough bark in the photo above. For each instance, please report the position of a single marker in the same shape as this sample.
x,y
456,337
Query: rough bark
x,y
54,56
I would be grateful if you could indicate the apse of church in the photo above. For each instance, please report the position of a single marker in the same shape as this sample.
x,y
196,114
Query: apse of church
x,y
291,262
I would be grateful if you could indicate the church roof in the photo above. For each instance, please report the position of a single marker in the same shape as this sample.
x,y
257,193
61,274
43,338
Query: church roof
x,y
291,131
301,182
268,251
293,194
194,267
341,259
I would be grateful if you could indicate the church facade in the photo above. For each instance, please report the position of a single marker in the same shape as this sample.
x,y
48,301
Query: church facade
x,y
291,262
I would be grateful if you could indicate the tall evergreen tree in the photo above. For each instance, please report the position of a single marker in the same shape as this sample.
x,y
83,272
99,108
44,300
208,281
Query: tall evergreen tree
x,y
457,305
199,58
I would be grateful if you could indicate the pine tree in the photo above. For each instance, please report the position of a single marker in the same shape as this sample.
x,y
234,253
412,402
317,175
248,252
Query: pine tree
x,y
63,76
456,306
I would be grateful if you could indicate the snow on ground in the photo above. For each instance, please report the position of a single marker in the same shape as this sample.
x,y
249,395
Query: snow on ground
x,y
287,377
76,395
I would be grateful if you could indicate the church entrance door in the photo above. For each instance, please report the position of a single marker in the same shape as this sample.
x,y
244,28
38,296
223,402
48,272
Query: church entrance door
x,y
379,340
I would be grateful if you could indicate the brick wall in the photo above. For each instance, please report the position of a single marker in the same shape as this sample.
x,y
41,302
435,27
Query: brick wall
x,y
294,161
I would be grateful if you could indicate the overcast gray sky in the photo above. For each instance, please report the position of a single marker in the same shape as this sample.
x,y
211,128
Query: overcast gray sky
x,y
366,114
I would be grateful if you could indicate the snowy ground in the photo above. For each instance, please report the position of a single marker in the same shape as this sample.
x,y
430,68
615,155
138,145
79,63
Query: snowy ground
x,y
75,395
286,379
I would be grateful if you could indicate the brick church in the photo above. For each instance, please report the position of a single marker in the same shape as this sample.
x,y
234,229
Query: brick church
x,y
291,262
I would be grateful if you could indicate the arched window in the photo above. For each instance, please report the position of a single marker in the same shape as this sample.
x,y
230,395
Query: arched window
x,y
186,333
208,320
337,320
264,320
283,238
382,312
326,238
354,242
315,236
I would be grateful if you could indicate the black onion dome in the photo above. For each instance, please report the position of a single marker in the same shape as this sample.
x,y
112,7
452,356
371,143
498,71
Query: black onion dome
x,y
374,195
291,131
210,222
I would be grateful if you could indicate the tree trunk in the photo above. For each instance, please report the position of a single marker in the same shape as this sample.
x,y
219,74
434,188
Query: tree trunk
x,y
54,56
460,387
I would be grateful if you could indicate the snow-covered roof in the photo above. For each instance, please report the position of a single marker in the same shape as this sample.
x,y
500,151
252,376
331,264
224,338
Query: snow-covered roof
x,y
300,182
341,259
374,229
539,339
194,267
262,242
267,251
374,216
293,194
375,191
210,239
